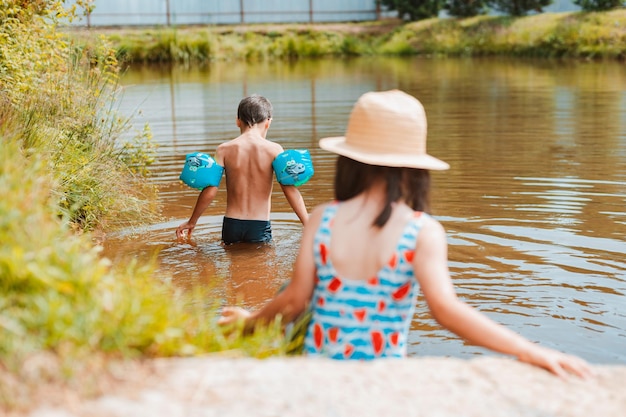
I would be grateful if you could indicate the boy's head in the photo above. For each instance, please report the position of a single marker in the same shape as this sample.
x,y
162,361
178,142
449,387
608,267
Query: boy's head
x,y
254,109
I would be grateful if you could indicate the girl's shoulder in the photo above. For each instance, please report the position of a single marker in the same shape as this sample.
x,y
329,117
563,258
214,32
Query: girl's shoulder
x,y
431,229
428,220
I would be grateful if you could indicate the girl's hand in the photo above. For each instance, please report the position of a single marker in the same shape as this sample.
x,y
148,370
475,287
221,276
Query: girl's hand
x,y
231,315
557,362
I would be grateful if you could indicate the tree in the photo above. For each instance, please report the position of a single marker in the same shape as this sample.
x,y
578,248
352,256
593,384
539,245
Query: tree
x,y
519,7
599,5
465,8
414,9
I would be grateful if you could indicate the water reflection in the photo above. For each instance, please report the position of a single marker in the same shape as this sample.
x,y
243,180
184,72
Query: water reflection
x,y
246,274
534,202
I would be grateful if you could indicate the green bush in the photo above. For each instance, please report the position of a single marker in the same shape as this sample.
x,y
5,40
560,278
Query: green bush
x,y
413,10
519,7
465,8
599,5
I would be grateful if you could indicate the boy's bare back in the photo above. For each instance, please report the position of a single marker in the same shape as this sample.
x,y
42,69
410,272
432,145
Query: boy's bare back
x,y
247,162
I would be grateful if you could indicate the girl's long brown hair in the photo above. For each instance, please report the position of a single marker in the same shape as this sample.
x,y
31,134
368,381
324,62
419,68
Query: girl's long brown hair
x,y
409,184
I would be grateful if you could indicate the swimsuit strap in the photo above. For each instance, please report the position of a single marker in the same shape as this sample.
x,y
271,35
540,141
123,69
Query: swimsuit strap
x,y
323,231
407,240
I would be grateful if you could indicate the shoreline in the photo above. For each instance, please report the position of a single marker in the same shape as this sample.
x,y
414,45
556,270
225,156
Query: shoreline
x,y
577,35
219,385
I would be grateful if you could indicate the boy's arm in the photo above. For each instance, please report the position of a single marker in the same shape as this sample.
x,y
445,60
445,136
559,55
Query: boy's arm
x,y
204,200
296,202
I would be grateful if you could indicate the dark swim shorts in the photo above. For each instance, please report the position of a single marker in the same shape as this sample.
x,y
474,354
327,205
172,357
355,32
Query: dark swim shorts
x,y
253,231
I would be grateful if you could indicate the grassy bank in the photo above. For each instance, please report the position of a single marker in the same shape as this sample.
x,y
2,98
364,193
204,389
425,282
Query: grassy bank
x,y
69,165
569,35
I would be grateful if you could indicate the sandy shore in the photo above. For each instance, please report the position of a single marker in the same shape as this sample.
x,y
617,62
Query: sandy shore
x,y
429,387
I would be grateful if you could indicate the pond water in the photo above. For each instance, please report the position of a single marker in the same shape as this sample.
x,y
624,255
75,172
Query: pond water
x,y
534,203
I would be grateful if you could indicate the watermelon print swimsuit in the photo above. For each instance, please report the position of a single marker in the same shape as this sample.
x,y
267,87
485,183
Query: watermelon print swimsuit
x,y
362,319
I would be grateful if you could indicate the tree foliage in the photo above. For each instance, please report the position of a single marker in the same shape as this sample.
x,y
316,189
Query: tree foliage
x,y
465,8
519,7
414,9
599,5
424,9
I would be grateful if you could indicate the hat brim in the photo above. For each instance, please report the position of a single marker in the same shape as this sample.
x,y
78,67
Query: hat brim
x,y
339,146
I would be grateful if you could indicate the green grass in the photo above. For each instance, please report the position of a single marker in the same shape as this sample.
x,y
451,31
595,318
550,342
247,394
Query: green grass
x,y
573,35
59,295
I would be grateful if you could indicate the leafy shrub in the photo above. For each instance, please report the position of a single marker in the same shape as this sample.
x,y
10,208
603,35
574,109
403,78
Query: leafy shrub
x,y
414,9
599,5
465,8
519,7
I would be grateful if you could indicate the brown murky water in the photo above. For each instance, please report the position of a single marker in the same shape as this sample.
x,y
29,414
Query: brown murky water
x,y
535,202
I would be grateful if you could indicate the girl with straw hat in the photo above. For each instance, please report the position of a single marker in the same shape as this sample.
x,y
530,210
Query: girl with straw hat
x,y
364,256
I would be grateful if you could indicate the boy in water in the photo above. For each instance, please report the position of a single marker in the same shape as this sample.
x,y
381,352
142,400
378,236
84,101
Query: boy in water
x,y
247,162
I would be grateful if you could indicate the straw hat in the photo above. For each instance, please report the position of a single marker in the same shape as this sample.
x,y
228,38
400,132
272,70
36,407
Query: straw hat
x,y
387,129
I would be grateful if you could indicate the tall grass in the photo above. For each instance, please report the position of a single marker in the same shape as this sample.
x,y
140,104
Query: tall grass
x,y
61,99
69,165
59,295
573,35
203,45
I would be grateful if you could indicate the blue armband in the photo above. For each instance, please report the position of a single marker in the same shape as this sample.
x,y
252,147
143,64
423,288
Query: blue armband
x,y
293,167
201,171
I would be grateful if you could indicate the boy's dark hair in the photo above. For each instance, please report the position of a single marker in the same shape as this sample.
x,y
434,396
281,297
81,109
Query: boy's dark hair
x,y
254,109
410,184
